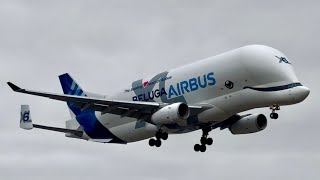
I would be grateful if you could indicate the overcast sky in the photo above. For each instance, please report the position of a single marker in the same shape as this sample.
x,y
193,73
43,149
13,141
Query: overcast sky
x,y
106,45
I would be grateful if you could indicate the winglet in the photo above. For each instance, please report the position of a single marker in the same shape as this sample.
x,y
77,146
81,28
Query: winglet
x,y
13,87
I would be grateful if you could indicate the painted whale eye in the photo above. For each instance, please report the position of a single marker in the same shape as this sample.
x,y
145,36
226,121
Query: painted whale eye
x,y
229,84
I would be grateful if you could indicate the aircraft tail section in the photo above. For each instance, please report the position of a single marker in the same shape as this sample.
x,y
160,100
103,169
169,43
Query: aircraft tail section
x,y
71,87
25,118
85,119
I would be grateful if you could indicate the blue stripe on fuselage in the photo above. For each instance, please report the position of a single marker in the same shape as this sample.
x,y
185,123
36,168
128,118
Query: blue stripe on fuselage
x,y
92,126
94,129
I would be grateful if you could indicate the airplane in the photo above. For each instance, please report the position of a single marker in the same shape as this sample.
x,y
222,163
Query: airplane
x,y
203,95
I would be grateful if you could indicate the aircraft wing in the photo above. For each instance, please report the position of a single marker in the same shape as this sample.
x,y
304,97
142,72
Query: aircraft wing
x,y
135,109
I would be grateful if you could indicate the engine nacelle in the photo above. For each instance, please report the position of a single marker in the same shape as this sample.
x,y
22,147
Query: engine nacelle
x,y
174,113
249,124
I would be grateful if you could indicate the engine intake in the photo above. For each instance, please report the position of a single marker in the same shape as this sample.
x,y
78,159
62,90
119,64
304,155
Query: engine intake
x,y
173,113
249,124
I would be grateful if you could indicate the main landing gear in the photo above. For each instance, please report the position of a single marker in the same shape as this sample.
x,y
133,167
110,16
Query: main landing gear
x,y
274,108
159,135
204,141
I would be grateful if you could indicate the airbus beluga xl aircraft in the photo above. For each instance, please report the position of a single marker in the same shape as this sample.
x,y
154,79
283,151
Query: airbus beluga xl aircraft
x,y
204,95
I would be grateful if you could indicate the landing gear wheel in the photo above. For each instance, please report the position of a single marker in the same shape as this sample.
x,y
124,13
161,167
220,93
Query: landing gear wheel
x,y
157,143
274,115
164,136
197,147
152,142
203,148
274,108
158,135
209,141
203,140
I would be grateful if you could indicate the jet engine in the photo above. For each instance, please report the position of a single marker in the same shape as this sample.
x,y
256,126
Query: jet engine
x,y
173,113
249,124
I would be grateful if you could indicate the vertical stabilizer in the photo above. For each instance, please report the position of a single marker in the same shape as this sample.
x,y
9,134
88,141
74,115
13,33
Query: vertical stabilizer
x,y
71,87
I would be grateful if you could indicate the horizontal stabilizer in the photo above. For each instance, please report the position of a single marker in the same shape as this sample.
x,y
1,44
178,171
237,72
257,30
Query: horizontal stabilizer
x,y
77,133
26,123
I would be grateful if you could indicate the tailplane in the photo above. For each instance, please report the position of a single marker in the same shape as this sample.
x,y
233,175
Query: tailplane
x,y
26,123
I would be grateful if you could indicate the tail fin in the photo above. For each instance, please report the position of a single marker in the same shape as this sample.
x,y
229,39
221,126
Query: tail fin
x,y
71,87
25,118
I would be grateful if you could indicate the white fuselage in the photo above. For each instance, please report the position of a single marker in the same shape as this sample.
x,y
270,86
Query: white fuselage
x,y
246,78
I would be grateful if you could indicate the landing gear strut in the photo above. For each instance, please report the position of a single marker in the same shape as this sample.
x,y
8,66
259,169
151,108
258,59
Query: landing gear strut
x,y
274,108
159,135
204,141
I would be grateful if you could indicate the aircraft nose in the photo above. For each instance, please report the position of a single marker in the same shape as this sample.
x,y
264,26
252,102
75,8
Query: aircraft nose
x,y
305,92
302,93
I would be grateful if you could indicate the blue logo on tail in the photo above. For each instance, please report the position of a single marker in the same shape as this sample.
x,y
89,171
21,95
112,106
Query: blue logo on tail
x,y
71,87
87,118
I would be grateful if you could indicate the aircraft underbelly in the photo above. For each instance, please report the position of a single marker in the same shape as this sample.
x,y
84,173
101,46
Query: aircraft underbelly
x,y
223,107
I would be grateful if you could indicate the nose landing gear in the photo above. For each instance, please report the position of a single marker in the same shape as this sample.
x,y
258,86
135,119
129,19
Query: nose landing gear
x,y
204,141
274,108
159,135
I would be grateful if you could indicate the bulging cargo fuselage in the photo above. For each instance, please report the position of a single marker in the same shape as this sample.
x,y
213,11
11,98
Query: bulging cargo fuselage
x,y
205,95
246,78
